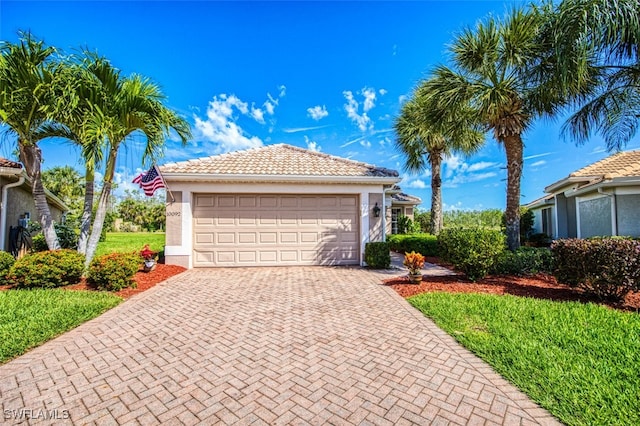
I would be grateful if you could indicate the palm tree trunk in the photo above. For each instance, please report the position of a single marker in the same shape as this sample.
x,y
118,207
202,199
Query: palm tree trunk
x,y
514,148
435,158
103,203
98,223
85,222
31,157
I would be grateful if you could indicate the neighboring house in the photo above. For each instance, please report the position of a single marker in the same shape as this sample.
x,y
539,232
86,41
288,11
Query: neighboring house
x,y
274,205
17,201
401,205
598,200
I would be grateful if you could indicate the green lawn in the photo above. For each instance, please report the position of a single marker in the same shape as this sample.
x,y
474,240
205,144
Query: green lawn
x,y
29,318
130,241
579,361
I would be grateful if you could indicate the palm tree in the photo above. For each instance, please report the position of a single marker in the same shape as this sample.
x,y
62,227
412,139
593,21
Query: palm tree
x,y
64,182
423,141
31,90
595,56
490,76
130,105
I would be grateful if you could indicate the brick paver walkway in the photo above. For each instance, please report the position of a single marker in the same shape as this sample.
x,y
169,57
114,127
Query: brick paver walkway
x,y
307,345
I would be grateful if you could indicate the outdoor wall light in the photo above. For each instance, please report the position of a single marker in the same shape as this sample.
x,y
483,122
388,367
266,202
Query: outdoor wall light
x,y
376,211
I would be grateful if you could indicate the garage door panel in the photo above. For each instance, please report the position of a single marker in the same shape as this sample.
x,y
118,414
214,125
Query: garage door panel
x,y
226,237
268,237
226,201
253,230
247,238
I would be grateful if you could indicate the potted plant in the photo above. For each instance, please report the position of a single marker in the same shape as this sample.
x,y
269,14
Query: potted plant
x,y
414,262
149,258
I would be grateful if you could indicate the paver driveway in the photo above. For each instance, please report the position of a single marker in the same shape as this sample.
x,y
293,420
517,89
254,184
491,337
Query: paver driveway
x,y
299,345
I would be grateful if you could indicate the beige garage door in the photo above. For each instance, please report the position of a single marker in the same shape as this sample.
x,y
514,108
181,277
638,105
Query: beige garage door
x,y
261,230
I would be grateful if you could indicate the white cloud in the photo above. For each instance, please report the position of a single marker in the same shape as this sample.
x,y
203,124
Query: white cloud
x,y
317,112
417,184
539,163
269,107
257,114
283,91
302,129
383,92
366,144
361,120
220,125
351,142
369,98
544,154
402,98
480,166
453,163
311,145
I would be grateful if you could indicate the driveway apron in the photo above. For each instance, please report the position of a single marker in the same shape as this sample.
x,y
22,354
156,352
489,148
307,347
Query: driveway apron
x,y
288,345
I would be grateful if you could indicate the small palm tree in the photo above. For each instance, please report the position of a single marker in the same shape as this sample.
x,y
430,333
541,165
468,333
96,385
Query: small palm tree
x,y
490,77
423,139
128,106
31,91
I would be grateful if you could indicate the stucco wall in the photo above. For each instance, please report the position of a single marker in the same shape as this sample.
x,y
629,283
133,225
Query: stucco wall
x,y
375,223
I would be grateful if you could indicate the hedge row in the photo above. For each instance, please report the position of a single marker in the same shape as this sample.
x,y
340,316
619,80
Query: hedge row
x,y
608,268
57,268
425,244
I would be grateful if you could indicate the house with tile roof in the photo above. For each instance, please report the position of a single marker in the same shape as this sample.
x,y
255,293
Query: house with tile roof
x,y
276,205
601,199
17,206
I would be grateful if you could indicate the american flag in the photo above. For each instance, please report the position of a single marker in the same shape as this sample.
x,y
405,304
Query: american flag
x,y
150,181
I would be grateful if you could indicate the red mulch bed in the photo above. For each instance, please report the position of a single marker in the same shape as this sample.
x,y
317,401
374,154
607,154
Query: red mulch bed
x,y
540,286
144,280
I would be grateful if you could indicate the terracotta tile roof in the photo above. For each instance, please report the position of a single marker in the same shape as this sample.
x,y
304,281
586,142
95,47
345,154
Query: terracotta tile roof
x,y
405,198
279,159
10,164
622,164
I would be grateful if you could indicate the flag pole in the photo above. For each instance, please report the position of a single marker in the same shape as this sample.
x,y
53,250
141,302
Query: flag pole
x,y
173,200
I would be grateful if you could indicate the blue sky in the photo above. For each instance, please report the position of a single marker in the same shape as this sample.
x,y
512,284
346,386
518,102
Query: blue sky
x,y
329,76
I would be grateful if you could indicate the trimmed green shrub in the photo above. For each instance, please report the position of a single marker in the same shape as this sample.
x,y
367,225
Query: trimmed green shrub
x,y
6,262
471,250
377,255
47,269
426,244
608,268
524,261
114,271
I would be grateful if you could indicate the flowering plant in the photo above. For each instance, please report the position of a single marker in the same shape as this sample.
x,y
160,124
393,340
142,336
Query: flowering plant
x,y
414,261
147,253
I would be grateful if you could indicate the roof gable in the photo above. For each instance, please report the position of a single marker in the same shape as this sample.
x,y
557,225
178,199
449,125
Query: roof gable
x,y
277,160
619,165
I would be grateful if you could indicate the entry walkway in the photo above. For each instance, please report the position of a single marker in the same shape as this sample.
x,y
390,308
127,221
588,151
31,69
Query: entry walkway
x,y
291,345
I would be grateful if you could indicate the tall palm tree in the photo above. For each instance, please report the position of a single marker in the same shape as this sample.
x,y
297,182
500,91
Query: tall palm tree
x,y
131,105
595,56
490,76
31,90
423,140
